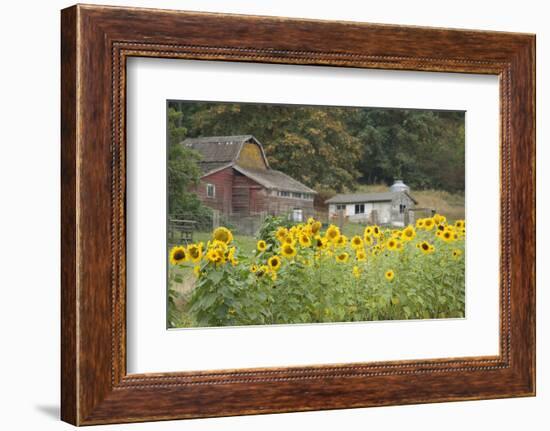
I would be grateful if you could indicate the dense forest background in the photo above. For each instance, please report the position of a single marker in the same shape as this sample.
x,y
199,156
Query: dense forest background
x,y
331,149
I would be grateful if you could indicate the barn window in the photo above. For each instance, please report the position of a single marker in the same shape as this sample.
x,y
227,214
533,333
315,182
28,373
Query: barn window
x,y
402,208
297,195
284,194
340,207
359,208
211,190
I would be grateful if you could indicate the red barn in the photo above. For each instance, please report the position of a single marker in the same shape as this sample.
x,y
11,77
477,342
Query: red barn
x,y
237,180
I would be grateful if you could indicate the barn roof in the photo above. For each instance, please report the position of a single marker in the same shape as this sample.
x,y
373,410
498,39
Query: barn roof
x,y
272,179
219,151
365,197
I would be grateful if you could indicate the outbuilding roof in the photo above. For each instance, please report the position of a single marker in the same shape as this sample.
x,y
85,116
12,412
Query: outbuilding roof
x,y
272,179
354,198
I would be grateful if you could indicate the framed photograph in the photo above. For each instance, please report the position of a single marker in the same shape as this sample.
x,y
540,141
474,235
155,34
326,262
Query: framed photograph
x,y
266,215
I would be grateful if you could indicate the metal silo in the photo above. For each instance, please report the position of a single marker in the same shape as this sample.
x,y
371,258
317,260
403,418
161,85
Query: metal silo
x,y
399,186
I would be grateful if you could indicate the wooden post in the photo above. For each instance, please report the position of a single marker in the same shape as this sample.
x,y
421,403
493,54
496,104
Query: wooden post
x,y
341,219
374,216
215,219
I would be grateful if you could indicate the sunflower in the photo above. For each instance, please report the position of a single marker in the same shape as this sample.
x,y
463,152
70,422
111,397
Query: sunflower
x,y
396,233
425,247
429,223
368,231
356,242
289,240
220,245
281,234
261,245
306,262
408,233
376,231
447,236
231,256
316,227
306,230
457,253
288,250
332,233
222,234
460,224
215,255
274,262
368,240
389,274
356,272
420,223
197,271
392,244
341,241
253,268
439,219
304,240
262,270
361,255
195,252
342,257
178,255
399,246
320,242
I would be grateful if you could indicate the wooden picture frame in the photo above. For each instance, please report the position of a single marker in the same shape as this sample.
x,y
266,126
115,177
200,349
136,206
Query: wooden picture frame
x,y
95,43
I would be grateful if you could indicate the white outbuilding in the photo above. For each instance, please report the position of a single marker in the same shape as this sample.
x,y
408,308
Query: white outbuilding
x,y
390,208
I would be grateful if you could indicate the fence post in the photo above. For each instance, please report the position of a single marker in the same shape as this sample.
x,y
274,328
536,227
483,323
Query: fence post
x,y
341,219
215,219
374,216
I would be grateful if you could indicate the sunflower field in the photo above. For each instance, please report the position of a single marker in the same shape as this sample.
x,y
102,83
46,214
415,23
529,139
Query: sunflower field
x,y
305,273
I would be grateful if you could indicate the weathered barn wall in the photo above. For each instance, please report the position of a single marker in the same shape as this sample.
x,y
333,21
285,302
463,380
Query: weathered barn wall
x,y
246,196
223,181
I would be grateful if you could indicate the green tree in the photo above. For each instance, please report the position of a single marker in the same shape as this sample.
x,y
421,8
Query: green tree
x,y
183,172
334,149
426,148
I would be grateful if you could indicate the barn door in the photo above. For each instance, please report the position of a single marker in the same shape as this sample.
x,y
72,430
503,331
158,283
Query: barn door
x,y
241,200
